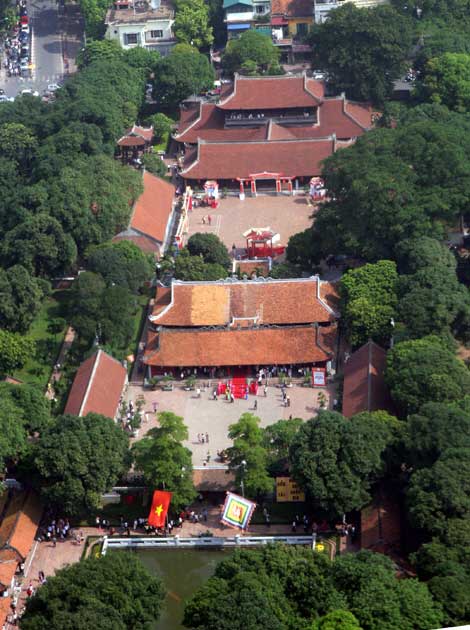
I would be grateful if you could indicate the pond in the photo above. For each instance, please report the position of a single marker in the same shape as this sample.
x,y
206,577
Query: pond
x,y
183,571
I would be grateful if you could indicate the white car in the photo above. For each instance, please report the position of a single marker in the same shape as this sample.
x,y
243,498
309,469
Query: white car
x,y
29,91
53,87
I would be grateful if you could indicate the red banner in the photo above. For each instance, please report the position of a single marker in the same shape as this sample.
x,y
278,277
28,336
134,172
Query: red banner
x,y
159,510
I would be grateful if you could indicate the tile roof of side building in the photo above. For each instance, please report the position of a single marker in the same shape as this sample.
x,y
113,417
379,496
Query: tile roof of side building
x,y
364,386
97,386
20,523
296,301
292,8
154,207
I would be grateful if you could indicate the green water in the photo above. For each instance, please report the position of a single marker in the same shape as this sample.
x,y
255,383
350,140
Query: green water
x,y
183,571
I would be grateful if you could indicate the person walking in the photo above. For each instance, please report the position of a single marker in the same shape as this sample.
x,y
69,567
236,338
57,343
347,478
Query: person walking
x,y
265,389
209,219
207,438
255,406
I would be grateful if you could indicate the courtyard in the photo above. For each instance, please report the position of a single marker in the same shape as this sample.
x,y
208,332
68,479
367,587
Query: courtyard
x,y
284,214
203,415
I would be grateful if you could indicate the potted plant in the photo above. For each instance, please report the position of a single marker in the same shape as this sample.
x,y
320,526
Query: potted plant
x,y
167,385
153,382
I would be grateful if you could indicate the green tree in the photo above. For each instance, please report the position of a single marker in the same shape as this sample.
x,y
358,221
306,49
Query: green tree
x,y
253,47
424,370
79,458
18,142
210,247
337,460
15,350
277,439
40,245
181,73
13,437
90,594
248,456
189,267
362,50
162,124
122,264
20,298
337,620
440,492
142,58
447,80
164,462
369,299
154,164
103,49
192,23
35,409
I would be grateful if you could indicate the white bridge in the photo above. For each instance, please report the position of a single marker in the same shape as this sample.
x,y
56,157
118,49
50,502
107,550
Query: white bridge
x,y
175,542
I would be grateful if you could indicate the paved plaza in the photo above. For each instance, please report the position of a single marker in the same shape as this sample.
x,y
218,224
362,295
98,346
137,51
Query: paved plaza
x,y
204,415
284,214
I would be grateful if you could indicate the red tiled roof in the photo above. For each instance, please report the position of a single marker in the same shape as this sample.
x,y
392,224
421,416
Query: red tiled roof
x,y
19,525
248,267
364,386
8,562
246,346
335,116
97,386
131,141
267,302
278,132
229,160
272,93
292,8
5,609
136,136
154,207
146,244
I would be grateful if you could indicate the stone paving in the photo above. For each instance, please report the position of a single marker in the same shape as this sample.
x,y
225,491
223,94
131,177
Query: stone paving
x,y
204,415
284,214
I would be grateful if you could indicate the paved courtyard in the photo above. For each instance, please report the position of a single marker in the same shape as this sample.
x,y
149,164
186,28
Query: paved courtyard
x,y
284,214
204,415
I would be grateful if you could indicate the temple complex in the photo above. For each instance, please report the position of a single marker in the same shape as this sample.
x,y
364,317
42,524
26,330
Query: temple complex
x,y
264,132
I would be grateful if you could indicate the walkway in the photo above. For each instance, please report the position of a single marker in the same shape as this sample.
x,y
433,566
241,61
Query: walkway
x,y
64,350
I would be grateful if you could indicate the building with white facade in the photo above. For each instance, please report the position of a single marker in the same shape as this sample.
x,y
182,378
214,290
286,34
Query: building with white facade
x,y
323,7
139,23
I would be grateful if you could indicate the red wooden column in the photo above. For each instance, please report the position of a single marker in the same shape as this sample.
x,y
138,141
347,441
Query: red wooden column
x,y
253,187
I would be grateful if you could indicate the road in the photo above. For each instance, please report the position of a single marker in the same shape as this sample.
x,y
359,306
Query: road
x,y
55,38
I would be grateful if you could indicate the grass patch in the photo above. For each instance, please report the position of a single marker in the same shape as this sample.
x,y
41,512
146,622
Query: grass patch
x,y
162,145
137,325
38,367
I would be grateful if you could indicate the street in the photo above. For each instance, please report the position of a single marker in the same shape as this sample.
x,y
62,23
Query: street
x,y
52,35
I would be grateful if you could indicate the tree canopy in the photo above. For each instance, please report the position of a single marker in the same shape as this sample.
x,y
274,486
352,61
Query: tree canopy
x,y
122,264
447,80
192,23
362,50
189,267
164,462
252,51
21,295
79,458
210,247
15,349
113,592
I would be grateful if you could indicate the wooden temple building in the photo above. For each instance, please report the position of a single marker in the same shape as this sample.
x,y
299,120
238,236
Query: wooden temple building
x,y
268,132
134,143
232,327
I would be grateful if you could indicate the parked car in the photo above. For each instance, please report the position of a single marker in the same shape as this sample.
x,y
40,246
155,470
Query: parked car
x,y
24,20
53,87
25,28
29,91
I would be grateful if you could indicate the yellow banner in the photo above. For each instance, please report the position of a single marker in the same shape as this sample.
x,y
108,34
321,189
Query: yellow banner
x,y
287,490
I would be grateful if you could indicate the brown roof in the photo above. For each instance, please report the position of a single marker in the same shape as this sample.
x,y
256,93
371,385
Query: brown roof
x,y
292,8
295,301
19,525
154,207
136,136
131,141
97,386
8,562
259,267
229,160
213,479
246,346
272,93
146,244
364,387
335,116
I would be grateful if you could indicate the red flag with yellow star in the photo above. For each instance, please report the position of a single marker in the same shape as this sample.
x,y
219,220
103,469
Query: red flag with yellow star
x,y
158,511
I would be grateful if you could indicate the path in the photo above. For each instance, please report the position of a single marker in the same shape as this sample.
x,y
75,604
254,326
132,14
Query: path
x,y
69,338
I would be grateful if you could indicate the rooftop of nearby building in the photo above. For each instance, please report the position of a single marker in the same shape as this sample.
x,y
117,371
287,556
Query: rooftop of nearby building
x,y
222,303
154,207
292,8
364,386
18,527
139,11
97,386
136,136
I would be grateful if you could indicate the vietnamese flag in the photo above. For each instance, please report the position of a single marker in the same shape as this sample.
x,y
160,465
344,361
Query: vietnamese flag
x,y
158,511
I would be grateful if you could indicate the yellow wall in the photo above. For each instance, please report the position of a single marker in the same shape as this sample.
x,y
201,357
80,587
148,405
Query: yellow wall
x,y
292,26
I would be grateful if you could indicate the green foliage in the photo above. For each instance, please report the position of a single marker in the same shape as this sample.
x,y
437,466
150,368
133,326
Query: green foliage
x,y
94,13
162,125
277,439
122,264
440,492
251,47
14,351
248,456
114,592
337,620
164,462
424,370
369,299
181,73
192,23
34,408
100,50
189,267
299,250
154,164
447,80
18,142
79,458
21,296
209,247
337,460
362,50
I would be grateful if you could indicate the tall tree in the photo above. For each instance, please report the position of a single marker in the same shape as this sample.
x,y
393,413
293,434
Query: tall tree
x,y
163,460
79,458
252,47
90,594
362,50
15,350
210,247
20,298
447,80
192,23
122,264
